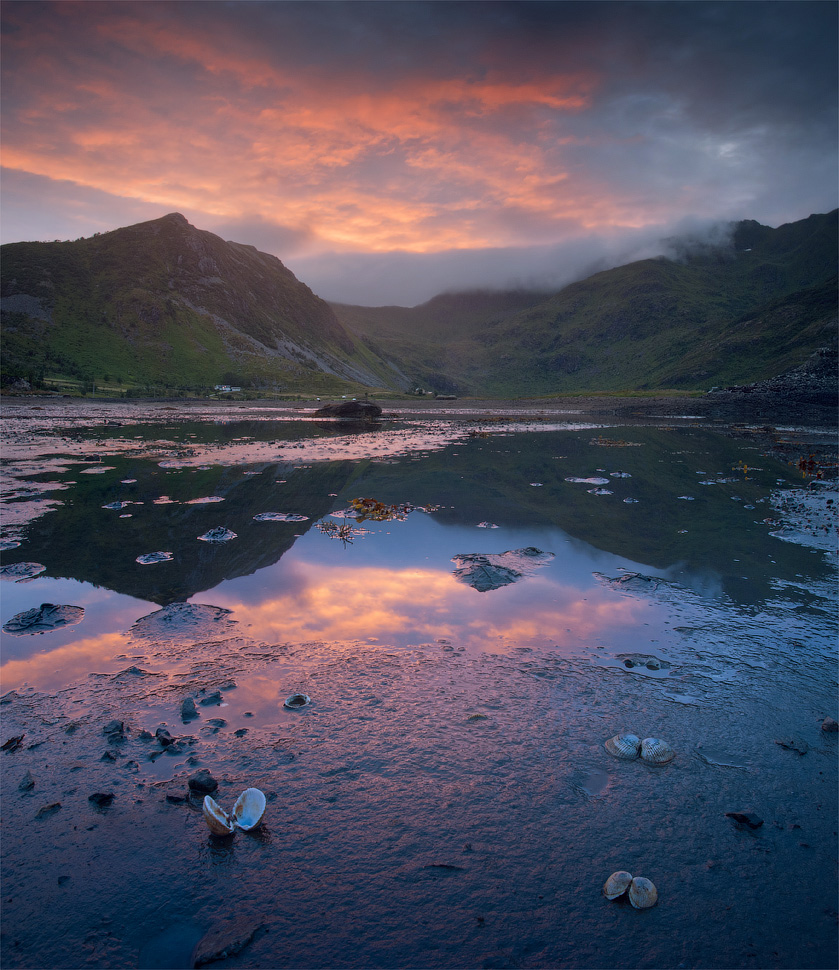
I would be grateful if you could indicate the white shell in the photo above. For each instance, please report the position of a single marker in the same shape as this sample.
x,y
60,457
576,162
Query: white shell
x,y
249,809
297,700
625,746
216,818
617,884
656,752
642,893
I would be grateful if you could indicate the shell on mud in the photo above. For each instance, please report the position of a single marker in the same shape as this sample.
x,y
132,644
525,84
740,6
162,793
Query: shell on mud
x,y
249,809
625,746
294,701
617,884
642,893
656,752
218,821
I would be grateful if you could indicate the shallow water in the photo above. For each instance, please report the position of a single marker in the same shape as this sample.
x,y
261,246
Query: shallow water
x,y
446,799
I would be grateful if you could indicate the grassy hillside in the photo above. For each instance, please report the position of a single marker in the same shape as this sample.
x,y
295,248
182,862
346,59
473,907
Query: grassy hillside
x,y
164,302
712,316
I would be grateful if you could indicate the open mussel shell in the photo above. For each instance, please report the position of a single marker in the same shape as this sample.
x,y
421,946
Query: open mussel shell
x,y
249,809
656,752
617,884
642,893
218,821
625,746
294,701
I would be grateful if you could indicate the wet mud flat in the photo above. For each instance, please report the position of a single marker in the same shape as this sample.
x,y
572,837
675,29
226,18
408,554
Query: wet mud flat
x,y
426,809
434,806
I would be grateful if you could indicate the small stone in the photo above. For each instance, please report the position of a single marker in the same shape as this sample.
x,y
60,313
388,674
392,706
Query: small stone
x,y
109,755
188,710
101,798
46,810
225,939
164,737
214,698
27,782
202,782
176,799
114,730
829,725
746,818
13,743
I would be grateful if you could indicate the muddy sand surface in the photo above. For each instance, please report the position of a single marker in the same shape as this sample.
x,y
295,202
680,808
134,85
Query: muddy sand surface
x,y
428,808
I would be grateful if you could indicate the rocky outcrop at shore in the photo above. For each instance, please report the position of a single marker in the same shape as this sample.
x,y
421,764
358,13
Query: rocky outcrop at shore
x,y
814,381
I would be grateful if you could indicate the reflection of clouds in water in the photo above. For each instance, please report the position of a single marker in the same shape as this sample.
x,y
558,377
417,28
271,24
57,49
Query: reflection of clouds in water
x,y
74,661
415,605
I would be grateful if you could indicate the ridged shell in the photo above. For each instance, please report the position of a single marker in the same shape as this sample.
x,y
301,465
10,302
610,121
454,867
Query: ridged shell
x,y
297,700
656,751
249,809
216,818
625,746
617,884
642,893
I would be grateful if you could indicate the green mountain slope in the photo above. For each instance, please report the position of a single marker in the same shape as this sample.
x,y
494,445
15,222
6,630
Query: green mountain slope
x,y
167,303
711,316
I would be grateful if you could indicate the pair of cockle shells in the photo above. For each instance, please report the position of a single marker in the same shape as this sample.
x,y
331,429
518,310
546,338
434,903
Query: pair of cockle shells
x,y
642,893
628,747
246,815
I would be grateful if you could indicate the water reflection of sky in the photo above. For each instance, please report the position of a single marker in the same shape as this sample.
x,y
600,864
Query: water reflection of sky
x,y
395,585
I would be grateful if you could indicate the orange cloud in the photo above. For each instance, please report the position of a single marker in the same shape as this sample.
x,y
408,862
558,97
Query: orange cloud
x,y
422,164
348,603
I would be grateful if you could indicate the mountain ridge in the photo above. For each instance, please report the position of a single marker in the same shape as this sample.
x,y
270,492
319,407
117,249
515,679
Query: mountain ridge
x,y
715,315
165,303
164,289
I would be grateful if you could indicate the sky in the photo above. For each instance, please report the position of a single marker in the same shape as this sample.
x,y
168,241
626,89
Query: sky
x,y
390,151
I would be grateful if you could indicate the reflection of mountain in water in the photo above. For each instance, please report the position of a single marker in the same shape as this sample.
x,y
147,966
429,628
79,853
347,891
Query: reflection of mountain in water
x,y
717,541
81,540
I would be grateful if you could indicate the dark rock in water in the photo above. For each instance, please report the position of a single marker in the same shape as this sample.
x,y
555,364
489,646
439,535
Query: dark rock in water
x,y
225,939
829,725
350,411
27,782
748,819
188,710
41,619
101,798
484,572
202,782
214,698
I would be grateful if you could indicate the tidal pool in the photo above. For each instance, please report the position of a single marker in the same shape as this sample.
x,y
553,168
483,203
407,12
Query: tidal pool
x,y
514,591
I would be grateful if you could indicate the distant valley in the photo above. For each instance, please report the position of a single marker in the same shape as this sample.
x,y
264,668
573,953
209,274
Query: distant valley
x,y
165,308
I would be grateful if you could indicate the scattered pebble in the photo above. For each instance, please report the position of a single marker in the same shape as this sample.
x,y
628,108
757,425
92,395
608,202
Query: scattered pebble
x,y
202,782
749,819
